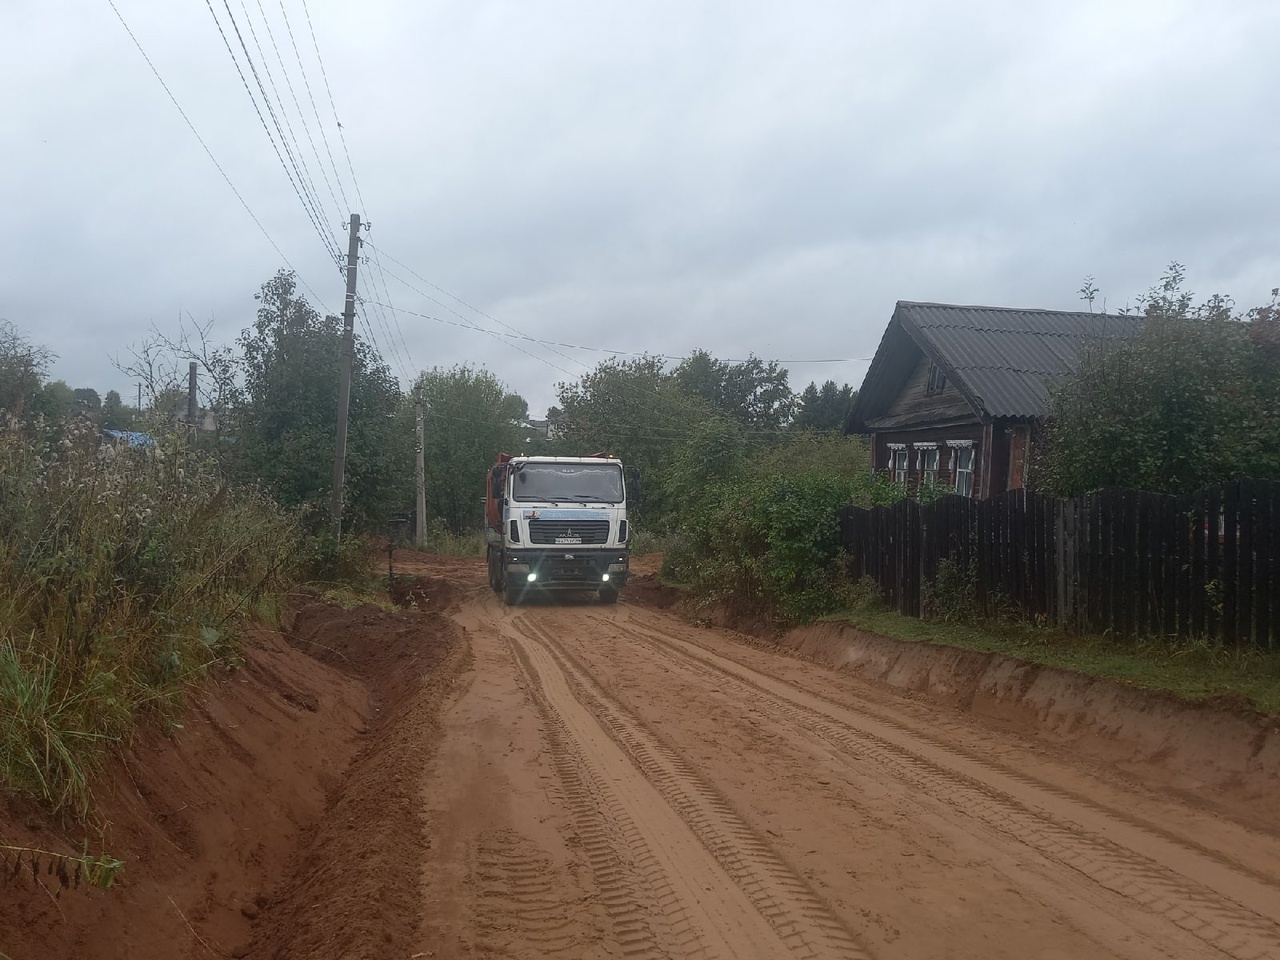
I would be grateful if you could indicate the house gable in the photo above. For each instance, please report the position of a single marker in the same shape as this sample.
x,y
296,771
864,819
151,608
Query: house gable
x,y
921,402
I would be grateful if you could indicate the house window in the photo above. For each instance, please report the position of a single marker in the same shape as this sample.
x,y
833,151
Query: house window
x,y
937,379
928,461
962,456
898,462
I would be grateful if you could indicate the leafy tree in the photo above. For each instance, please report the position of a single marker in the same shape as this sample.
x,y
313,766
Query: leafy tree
x,y
87,399
289,419
55,400
1191,401
824,408
471,417
753,392
115,415
22,369
634,409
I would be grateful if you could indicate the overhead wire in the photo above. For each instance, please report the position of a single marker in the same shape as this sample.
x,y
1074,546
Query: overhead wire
x,y
311,214
306,81
502,323
392,356
633,388
520,335
213,159
292,145
333,106
381,276
302,117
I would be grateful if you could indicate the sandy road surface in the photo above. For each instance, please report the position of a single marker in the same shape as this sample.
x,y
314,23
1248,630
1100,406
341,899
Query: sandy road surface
x,y
613,782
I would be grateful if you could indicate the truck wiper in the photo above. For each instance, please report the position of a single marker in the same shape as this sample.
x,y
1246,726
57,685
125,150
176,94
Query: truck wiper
x,y
585,498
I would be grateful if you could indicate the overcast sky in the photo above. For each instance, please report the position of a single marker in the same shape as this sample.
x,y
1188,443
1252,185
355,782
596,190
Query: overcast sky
x,y
741,176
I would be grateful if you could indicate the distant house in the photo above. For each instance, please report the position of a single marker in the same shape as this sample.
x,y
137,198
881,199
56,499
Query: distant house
x,y
955,393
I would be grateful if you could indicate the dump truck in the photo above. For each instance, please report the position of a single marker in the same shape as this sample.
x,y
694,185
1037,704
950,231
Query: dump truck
x,y
558,524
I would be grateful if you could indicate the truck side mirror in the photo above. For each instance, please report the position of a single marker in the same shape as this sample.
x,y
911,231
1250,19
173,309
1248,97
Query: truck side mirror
x,y
633,486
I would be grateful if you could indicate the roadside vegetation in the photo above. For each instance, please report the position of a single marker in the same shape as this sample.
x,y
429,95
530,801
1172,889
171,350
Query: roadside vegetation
x,y
125,574
1193,670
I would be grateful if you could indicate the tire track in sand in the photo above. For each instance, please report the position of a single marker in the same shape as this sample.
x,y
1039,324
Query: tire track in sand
x,y
755,877
649,921
1220,922
518,899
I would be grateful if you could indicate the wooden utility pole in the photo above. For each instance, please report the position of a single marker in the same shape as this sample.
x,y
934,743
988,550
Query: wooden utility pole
x,y
345,356
193,408
420,528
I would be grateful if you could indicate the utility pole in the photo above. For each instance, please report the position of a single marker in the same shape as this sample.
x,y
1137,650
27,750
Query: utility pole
x,y
139,396
193,409
420,530
345,356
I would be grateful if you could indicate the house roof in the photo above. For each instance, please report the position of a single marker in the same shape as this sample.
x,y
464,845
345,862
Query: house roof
x,y
1003,359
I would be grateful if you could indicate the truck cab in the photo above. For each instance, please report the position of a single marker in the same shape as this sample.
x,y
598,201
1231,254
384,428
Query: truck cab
x,y
557,524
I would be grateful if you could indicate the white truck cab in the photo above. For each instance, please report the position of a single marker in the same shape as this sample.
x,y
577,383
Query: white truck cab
x,y
557,524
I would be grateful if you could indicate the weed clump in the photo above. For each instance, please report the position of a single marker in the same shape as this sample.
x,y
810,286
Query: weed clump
x,y
124,574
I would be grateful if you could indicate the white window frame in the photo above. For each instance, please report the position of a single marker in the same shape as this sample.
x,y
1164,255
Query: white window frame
x,y
926,452
896,469
962,479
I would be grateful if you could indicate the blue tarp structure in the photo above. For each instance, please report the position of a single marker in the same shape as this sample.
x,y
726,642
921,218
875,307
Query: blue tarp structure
x,y
130,438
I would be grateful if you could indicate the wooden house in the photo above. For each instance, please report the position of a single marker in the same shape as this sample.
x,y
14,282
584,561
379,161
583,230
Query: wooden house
x,y
955,393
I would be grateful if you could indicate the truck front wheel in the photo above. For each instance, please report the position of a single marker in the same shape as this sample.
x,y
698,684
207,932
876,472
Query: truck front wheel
x,y
608,594
511,587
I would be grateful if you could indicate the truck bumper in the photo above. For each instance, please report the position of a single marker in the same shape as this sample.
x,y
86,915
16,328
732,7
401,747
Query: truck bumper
x,y
567,570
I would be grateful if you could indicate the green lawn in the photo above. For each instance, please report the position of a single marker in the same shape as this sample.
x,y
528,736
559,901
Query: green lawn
x,y
1191,670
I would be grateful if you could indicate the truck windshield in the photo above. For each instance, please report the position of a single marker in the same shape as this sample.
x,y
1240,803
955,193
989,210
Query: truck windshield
x,y
583,482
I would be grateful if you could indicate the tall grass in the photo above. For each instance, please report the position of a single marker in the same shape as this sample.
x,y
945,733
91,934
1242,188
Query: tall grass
x,y
124,575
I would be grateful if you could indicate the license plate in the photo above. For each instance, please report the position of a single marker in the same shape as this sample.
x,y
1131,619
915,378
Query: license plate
x,y
568,539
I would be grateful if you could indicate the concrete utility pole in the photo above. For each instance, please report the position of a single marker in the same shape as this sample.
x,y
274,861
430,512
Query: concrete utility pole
x,y
345,356
420,529
193,408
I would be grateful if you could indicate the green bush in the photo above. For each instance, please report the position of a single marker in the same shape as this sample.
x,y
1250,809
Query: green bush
x,y
770,544
124,574
952,596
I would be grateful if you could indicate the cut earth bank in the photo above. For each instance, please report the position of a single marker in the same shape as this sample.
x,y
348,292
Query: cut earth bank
x,y
280,818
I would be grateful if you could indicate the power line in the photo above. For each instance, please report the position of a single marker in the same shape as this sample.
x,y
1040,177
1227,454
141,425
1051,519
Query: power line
x,y
312,192
306,82
380,315
333,106
471,326
521,335
550,348
377,262
333,254
196,133
606,350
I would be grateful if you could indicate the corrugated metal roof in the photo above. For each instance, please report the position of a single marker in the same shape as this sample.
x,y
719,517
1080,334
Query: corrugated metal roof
x,y
1004,358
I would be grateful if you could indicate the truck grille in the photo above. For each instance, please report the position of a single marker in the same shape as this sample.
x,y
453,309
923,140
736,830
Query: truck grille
x,y
570,533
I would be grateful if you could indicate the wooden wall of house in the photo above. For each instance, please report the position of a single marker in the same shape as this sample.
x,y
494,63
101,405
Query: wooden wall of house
x,y
915,404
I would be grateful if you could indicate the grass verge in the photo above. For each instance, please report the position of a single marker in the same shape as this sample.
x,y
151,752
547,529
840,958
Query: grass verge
x,y
1191,670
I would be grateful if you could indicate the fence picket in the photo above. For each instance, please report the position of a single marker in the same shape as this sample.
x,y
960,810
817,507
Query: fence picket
x,y
1205,564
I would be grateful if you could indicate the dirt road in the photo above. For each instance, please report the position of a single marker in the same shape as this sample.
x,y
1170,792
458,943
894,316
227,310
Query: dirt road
x,y
613,782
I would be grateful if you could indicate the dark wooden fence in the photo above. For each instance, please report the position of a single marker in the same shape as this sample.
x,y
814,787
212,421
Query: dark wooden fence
x,y
1202,565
